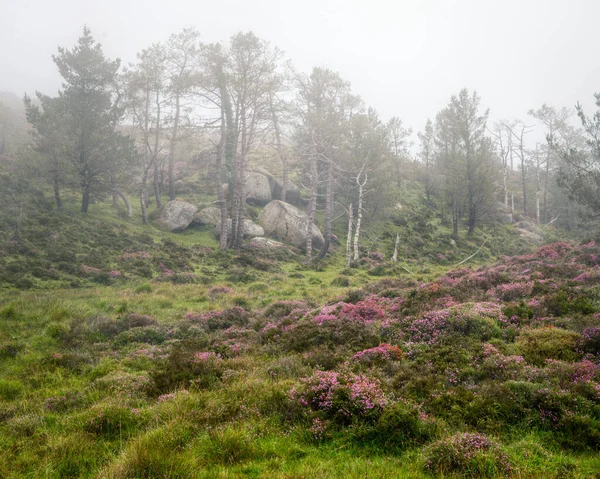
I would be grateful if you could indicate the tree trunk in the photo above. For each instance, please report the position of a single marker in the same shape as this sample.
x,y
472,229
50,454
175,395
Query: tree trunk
x,y
395,255
505,184
512,202
220,193
523,177
312,206
143,205
546,188
455,217
85,199
282,156
537,200
172,152
349,238
57,198
328,211
359,212
121,195
156,185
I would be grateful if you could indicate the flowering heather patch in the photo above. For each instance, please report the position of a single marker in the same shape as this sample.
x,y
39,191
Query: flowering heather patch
x,y
318,428
383,352
284,308
429,327
472,455
512,291
171,396
554,251
218,291
322,318
592,276
590,341
206,357
341,395
220,319
376,256
498,366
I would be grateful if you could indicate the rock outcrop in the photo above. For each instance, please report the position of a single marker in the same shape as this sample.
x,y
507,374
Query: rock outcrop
x,y
264,243
250,229
207,216
257,188
287,223
177,215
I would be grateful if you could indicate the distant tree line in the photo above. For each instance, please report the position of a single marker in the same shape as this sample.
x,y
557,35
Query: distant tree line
x,y
121,132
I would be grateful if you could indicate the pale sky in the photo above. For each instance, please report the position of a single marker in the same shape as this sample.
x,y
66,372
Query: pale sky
x,y
405,58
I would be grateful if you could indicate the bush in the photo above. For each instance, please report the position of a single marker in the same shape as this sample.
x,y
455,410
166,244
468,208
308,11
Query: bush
x,y
470,455
112,420
187,365
590,342
149,335
340,281
537,345
564,302
402,425
213,320
341,397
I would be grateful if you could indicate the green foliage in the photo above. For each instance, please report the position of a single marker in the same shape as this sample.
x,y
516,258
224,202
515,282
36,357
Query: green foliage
x,y
469,455
537,345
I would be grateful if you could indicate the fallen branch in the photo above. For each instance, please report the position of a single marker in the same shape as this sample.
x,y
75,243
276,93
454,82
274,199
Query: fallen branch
x,y
467,259
548,224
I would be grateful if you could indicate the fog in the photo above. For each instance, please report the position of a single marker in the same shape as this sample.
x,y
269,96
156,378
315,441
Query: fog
x,y
404,58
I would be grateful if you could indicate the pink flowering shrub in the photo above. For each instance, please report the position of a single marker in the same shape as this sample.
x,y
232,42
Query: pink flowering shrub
x,y
590,340
554,251
224,319
498,366
380,354
471,455
341,396
512,291
218,291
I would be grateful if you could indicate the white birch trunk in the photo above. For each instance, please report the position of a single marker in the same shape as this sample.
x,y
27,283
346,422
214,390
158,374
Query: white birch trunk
x,y
349,238
361,187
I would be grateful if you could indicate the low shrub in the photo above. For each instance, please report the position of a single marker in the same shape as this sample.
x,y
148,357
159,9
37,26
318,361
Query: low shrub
x,y
466,454
341,397
537,345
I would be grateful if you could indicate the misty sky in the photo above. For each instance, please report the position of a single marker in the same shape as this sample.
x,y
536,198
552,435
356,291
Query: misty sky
x,y
405,58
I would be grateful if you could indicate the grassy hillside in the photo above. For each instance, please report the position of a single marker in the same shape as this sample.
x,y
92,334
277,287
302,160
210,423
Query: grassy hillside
x,y
492,372
127,351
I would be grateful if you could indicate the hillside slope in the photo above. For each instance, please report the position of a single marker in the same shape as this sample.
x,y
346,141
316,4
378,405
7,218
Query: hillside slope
x,y
482,373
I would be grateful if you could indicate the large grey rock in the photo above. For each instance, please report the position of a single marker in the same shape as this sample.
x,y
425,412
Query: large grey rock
x,y
250,229
177,215
505,218
207,216
292,195
264,243
287,223
258,188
